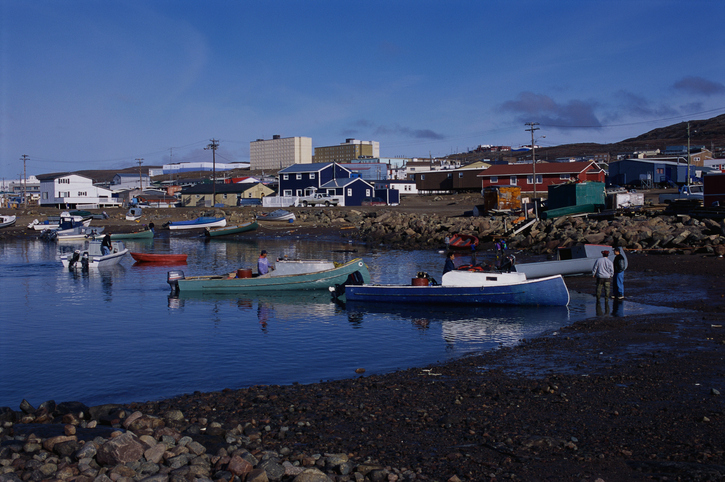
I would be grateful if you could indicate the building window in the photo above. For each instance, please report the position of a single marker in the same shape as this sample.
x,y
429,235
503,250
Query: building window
x,y
512,179
82,194
422,177
450,175
287,192
64,194
493,179
285,177
460,175
312,175
349,192
660,170
367,192
530,179
564,177
299,192
298,177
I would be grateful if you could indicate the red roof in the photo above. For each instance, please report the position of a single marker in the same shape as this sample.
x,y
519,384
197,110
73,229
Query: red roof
x,y
541,168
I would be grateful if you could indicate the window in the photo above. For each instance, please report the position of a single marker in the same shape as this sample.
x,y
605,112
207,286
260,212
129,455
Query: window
x,y
299,192
530,179
564,177
285,177
513,180
287,192
422,177
367,192
494,179
298,177
349,191
64,194
660,170
450,175
312,175
45,195
539,179
82,194
225,196
460,175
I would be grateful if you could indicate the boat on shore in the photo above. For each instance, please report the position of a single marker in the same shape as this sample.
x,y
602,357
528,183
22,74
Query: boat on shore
x,y
159,258
201,222
54,222
228,230
570,261
147,233
288,275
6,221
466,287
278,215
463,241
92,256
134,214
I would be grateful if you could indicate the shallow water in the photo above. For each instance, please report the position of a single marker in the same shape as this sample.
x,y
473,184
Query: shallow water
x,y
116,334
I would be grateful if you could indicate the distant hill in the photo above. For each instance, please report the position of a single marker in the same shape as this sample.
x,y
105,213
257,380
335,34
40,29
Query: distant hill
x,y
707,132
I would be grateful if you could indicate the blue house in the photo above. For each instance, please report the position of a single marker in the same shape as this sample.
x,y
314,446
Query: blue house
x,y
648,172
352,190
303,179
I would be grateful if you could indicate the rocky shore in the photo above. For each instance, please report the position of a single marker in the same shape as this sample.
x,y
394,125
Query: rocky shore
x,y
610,398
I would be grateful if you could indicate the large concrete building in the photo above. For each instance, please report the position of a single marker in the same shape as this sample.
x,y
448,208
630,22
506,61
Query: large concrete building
x,y
349,151
279,152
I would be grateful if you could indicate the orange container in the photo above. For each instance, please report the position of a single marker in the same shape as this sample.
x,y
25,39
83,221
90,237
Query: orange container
x,y
420,281
244,273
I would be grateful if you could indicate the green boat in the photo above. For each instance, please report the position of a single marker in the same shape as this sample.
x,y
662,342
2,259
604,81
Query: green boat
x,y
227,230
145,234
288,275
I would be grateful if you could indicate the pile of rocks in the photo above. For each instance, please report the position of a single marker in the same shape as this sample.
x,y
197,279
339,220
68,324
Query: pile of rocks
x,y
642,232
72,442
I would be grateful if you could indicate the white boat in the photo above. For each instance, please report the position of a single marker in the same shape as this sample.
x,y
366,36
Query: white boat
x,y
571,261
92,256
199,223
72,234
134,214
6,221
54,222
278,215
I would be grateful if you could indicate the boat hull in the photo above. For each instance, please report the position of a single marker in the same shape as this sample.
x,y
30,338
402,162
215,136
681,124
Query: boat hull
x,y
278,215
199,223
228,230
319,280
551,291
94,258
6,221
159,258
580,261
145,234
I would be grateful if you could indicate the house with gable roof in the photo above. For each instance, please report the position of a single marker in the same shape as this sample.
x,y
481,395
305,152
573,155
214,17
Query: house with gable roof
x,y
547,174
329,178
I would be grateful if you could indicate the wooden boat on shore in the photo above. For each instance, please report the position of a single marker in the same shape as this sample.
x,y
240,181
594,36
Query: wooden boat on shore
x,y
463,241
571,261
6,221
92,256
159,258
288,275
201,222
228,230
278,215
143,234
467,287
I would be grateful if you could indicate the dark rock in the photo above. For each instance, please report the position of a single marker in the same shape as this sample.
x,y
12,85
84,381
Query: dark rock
x,y
120,450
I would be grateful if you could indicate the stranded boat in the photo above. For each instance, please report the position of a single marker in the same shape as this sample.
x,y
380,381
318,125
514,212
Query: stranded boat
x,y
571,261
227,230
278,215
201,222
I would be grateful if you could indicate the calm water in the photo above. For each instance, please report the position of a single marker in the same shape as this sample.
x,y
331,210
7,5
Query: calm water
x,y
115,335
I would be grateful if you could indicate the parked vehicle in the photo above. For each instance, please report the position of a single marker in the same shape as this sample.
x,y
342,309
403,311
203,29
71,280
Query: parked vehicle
x,y
693,191
319,199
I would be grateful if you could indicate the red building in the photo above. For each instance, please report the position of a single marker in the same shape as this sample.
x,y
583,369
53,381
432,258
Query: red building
x,y
547,174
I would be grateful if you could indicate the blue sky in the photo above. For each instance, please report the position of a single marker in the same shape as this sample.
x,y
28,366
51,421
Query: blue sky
x,y
97,84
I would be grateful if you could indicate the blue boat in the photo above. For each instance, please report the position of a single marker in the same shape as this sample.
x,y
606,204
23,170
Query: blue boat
x,y
468,287
199,223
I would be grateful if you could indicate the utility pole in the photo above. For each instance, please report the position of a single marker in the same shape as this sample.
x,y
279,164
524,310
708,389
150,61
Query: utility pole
x,y
533,160
688,156
139,160
213,146
25,182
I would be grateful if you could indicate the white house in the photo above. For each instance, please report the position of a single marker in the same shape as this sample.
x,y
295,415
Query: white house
x,y
123,181
72,191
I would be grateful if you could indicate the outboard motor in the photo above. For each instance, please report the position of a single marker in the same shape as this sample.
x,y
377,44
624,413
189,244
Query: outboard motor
x,y
508,263
73,260
173,277
85,262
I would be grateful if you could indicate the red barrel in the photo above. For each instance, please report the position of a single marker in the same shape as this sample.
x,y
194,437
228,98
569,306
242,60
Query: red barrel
x,y
420,281
244,273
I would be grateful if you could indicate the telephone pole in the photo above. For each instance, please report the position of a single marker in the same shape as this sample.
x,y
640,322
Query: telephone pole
x,y
688,157
213,146
25,182
533,159
139,160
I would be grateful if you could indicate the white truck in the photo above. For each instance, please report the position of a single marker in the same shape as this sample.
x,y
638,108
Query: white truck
x,y
693,191
318,199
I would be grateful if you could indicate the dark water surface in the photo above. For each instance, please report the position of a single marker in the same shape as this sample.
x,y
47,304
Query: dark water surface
x,y
115,335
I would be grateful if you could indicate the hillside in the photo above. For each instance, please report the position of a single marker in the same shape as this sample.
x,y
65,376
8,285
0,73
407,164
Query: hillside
x,y
706,132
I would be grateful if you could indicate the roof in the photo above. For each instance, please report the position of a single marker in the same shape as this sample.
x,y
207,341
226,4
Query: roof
x,y
342,182
316,167
208,188
541,168
56,175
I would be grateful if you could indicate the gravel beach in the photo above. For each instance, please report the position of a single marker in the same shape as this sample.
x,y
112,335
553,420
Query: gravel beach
x,y
609,398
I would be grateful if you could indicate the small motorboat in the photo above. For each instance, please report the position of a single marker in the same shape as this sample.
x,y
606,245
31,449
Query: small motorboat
x,y
466,287
134,214
463,241
146,233
201,222
227,230
278,215
92,256
53,222
81,232
571,261
6,221
159,258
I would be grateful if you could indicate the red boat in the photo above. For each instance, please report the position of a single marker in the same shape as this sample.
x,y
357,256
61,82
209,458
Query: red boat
x,y
159,258
461,241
